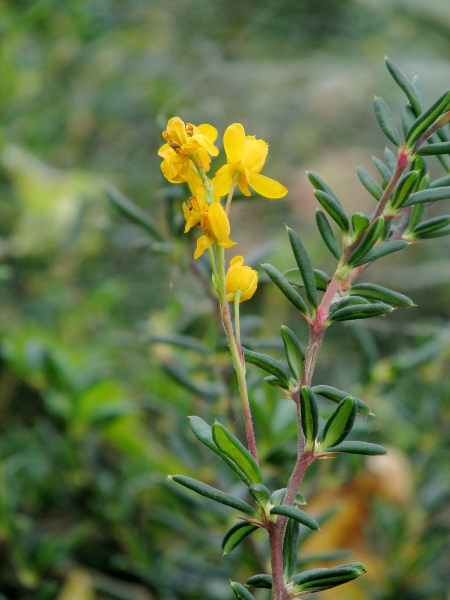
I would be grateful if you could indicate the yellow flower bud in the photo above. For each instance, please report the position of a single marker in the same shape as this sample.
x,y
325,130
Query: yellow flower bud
x,y
242,278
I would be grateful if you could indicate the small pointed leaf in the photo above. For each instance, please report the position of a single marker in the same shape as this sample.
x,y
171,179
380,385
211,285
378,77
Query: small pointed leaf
x,y
305,267
283,284
232,447
213,493
377,292
340,423
293,351
430,195
360,311
317,580
260,493
335,395
405,84
327,235
426,119
334,209
269,364
240,591
235,534
295,513
358,448
290,547
381,250
386,121
262,580
367,243
369,183
309,416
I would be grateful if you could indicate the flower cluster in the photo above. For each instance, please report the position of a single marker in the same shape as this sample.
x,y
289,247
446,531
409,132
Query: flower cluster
x,y
187,158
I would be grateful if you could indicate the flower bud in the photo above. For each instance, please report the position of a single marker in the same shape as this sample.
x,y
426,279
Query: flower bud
x,y
242,278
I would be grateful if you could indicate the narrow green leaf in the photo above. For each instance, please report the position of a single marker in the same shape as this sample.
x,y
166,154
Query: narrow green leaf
x,y
203,432
358,448
408,118
441,182
404,188
417,213
319,184
333,208
381,250
267,363
277,497
377,292
293,351
348,301
275,382
369,240
383,170
360,223
369,183
262,580
213,493
232,447
235,534
327,235
386,121
430,195
295,513
433,149
321,278
426,119
335,395
305,267
260,493
360,311
340,423
405,84
310,416
132,211
390,159
286,288
317,580
240,591
432,228
290,547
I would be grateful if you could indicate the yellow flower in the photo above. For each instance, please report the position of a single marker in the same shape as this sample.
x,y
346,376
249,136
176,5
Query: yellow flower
x,y
240,277
216,228
193,212
245,158
185,140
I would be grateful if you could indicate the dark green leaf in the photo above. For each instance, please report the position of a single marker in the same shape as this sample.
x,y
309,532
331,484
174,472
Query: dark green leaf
x,y
317,580
426,119
290,547
430,195
377,292
369,183
404,83
408,118
360,311
240,591
358,448
383,170
260,581
235,534
335,395
441,182
213,493
275,382
305,267
404,189
381,250
232,447
360,223
309,416
319,184
390,160
283,284
132,211
267,363
348,301
320,277
432,228
333,208
327,235
386,121
368,241
340,423
277,497
433,149
260,493
295,513
293,351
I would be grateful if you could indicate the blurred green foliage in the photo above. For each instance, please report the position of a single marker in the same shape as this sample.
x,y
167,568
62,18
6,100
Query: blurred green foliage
x,y
93,400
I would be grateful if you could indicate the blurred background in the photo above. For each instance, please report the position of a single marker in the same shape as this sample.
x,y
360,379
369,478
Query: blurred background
x,y
106,337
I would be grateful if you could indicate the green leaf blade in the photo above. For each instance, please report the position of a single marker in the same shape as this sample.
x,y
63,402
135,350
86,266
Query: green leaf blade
x,y
378,292
381,250
335,395
363,448
309,417
286,288
327,235
386,121
235,534
334,208
295,513
269,364
305,267
340,423
232,447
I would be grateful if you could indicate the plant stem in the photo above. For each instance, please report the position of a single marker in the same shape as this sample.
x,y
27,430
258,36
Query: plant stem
x,y
236,354
231,192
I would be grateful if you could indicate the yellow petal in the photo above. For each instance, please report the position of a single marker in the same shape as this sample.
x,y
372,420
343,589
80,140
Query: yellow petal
x,y
269,188
203,243
243,185
234,143
226,243
248,293
255,154
203,159
223,179
209,131
176,131
219,223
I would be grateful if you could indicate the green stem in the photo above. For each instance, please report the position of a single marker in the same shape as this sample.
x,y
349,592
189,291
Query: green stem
x,y
231,192
236,356
237,326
